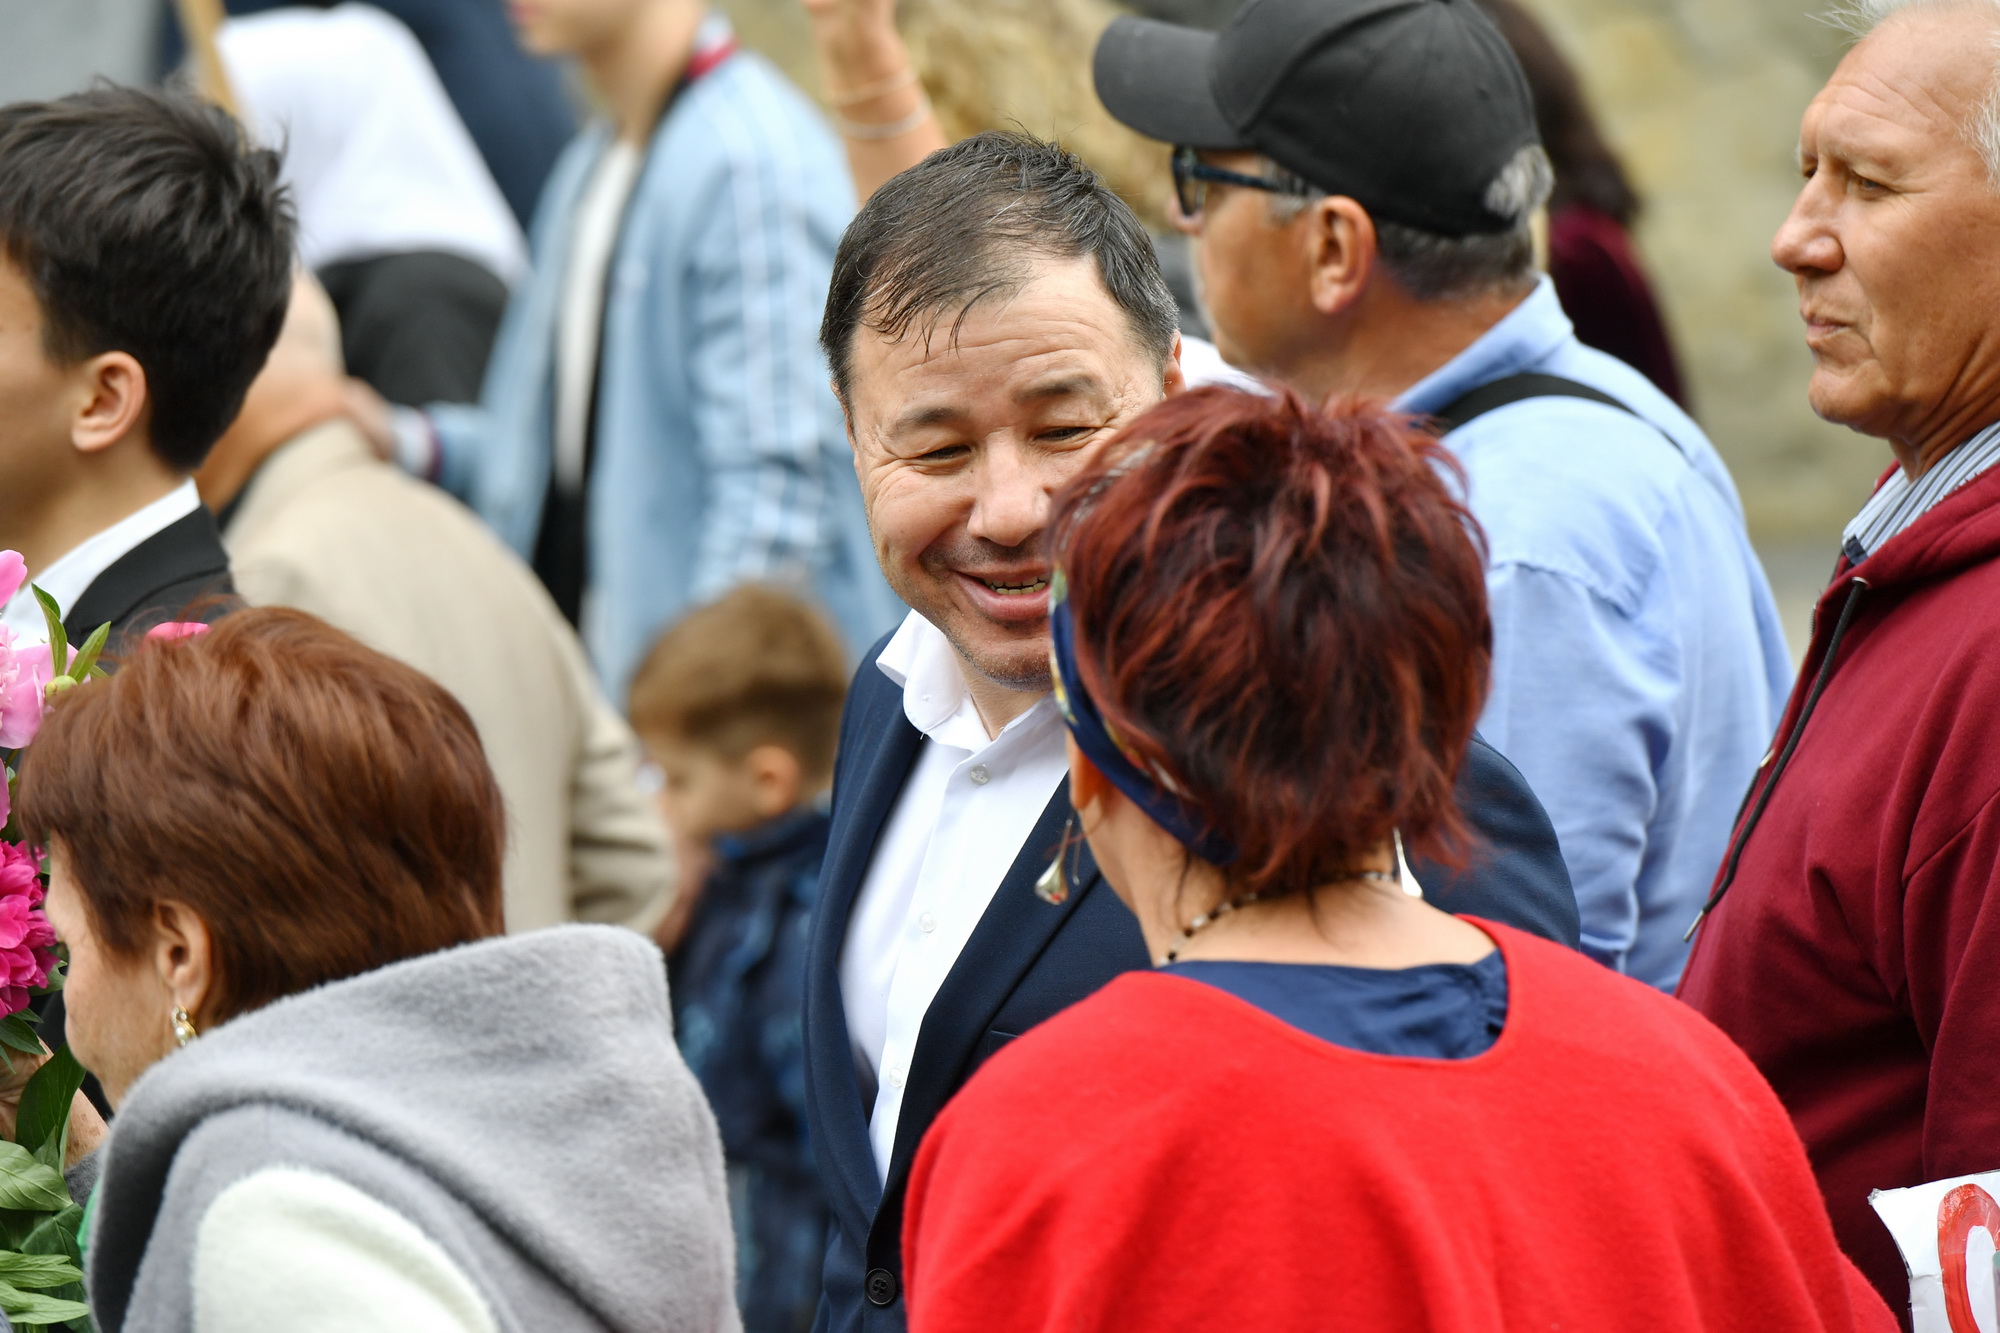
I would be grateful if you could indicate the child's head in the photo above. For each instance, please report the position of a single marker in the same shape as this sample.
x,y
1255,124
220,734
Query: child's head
x,y
739,704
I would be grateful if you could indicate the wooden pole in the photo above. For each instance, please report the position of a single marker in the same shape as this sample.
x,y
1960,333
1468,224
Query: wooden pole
x,y
200,20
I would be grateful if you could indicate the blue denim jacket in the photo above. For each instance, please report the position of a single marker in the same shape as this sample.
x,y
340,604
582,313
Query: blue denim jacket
x,y
1639,669
720,453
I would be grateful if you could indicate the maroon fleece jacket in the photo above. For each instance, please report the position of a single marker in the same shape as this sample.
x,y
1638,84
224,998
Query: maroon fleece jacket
x,y
1855,955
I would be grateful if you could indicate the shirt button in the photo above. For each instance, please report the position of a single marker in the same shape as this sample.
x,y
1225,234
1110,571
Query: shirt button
x,y
927,923
895,1078
881,1286
980,777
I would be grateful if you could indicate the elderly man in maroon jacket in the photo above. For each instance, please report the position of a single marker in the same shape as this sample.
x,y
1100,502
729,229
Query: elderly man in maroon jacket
x,y
1852,941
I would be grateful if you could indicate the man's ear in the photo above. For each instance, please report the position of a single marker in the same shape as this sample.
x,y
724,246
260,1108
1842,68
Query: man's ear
x,y
1175,379
184,956
1341,252
112,401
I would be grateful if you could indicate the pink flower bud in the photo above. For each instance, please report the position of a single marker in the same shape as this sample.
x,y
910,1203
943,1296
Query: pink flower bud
x,y
24,675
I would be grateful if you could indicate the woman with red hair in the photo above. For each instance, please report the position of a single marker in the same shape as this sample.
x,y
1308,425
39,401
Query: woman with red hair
x,y
1332,1106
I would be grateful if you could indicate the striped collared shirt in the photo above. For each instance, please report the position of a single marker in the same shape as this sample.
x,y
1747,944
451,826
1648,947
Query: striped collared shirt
x,y
1902,502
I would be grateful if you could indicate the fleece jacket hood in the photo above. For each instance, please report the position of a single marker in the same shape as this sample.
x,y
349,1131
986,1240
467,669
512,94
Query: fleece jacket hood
x,y
532,1077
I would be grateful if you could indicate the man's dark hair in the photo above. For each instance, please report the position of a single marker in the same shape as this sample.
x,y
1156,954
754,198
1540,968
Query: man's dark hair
x,y
965,225
146,223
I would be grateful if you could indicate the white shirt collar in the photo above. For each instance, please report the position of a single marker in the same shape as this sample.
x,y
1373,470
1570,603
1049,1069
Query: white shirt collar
x,y
70,576
920,658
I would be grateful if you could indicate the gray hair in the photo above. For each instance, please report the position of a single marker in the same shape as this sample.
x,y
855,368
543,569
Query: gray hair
x,y
1432,266
1858,18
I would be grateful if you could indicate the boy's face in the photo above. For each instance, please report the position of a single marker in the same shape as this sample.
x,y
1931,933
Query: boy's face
x,y
38,398
74,457
704,792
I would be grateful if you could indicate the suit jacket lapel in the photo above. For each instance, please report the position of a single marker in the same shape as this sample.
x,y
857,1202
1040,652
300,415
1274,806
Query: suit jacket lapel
x,y
1017,926
840,1117
163,573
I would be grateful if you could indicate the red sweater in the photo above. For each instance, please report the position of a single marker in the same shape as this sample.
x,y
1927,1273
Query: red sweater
x,y
1164,1156
1856,957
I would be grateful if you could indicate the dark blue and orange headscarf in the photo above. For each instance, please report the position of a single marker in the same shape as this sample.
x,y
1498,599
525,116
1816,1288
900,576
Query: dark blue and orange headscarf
x,y
1152,792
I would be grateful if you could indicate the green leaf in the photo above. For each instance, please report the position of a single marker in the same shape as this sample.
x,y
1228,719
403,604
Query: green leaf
x,y
58,637
18,1033
16,1226
27,1183
37,1271
86,656
43,1123
61,1234
31,1309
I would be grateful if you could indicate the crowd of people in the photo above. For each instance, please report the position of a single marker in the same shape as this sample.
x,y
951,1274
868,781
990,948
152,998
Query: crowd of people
x,y
756,723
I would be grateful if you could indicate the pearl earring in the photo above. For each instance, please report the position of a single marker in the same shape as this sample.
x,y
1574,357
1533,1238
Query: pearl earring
x,y
183,1026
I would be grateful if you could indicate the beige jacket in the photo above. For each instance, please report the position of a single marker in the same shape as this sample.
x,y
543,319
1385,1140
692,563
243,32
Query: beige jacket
x,y
326,527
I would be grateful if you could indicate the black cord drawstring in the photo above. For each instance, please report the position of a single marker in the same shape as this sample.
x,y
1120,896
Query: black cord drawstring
x,y
1749,826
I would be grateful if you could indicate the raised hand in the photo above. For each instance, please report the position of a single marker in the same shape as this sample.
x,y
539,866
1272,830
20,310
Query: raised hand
x,y
877,102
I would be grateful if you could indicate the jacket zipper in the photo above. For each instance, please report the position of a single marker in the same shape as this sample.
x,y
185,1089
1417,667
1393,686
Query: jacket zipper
x,y
1856,590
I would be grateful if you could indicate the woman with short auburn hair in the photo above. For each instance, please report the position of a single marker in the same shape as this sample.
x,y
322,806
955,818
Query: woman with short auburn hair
x,y
1331,1105
344,1100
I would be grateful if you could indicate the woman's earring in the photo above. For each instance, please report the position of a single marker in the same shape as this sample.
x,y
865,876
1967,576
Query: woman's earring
x,y
1053,886
183,1026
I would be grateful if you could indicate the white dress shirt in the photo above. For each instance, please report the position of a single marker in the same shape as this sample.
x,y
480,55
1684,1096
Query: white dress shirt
x,y
1202,364
70,576
963,816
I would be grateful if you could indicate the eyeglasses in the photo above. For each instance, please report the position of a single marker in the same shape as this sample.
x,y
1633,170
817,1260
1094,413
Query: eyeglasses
x,y
1192,177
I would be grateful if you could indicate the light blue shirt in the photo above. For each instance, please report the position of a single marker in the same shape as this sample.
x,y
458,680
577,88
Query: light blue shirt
x,y
1639,669
719,450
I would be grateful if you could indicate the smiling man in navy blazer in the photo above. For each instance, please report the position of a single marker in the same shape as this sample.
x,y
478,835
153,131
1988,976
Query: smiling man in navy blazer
x,y
995,314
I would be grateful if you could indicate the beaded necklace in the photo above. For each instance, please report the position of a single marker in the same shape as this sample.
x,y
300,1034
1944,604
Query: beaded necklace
x,y
1220,910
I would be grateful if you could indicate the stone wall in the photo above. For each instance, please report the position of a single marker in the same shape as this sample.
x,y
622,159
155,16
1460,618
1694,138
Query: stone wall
x,y
1701,97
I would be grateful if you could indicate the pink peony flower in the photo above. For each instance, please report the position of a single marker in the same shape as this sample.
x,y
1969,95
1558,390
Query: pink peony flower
x,y
168,631
25,669
13,573
27,940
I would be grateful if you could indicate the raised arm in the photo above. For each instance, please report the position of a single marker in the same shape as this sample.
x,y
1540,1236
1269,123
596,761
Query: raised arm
x,y
879,106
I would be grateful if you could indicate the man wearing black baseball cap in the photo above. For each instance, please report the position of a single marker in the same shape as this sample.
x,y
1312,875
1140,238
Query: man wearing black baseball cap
x,y
1361,179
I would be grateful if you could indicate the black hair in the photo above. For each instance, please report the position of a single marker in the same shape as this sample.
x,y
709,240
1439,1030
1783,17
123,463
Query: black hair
x,y
963,225
146,223
1587,171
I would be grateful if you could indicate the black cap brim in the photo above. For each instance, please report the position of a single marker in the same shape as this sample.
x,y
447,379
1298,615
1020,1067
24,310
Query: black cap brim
x,y
1154,77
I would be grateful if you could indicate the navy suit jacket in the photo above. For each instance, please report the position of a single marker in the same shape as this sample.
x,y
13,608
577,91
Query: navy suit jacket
x,y
1028,959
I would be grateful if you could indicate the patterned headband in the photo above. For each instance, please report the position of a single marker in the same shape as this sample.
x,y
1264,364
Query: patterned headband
x,y
1152,792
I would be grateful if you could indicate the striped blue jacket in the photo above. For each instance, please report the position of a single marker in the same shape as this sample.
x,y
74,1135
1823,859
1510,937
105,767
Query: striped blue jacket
x,y
720,454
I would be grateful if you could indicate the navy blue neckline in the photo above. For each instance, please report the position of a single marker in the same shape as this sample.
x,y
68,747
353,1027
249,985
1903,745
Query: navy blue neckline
x,y
1444,1011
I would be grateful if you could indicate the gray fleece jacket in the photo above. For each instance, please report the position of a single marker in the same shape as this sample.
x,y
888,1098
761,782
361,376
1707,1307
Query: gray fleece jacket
x,y
519,1101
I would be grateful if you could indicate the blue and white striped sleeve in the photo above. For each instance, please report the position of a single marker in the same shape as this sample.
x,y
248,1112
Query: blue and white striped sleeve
x,y
756,373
